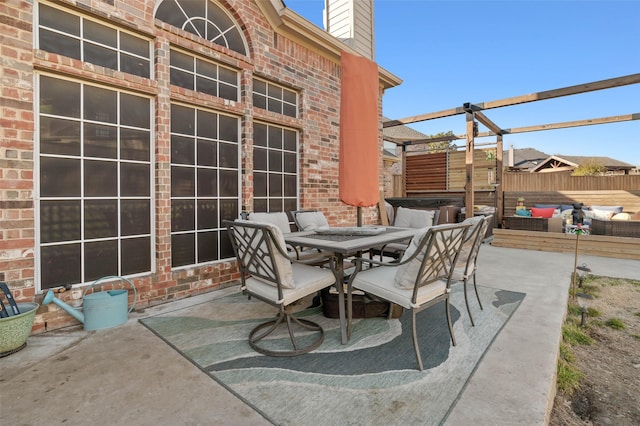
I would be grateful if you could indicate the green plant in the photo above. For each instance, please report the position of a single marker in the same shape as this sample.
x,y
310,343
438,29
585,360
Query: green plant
x,y
593,312
566,353
572,334
615,323
569,378
574,309
589,168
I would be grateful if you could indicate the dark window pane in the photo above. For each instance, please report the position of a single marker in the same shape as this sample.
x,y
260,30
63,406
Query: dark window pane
x,y
182,150
101,56
207,155
207,183
182,215
58,136
134,111
260,86
275,185
100,141
259,134
228,210
59,20
228,183
100,33
274,91
207,214
290,205
290,163
134,65
100,104
275,137
259,101
289,110
228,92
260,205
135,45
259,184
207,125
135,217
208,86
181,60
289,96
207,246
100,219
59,44
60,265
59,221
135,180
274,105
228,76
182,79
275,161
275,205
183,250
260,159
235,41
226,249
207,69
290,143
100,179
228,155
290,187
182,120
59,97
100,259
136,255
228,128
182,182
135,144
59,177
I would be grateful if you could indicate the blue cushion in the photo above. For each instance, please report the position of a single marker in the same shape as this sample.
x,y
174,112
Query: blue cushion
x,y
547,206
523,212
566,207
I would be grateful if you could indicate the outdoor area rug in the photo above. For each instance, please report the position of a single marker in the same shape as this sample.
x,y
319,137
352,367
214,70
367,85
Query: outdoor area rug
x,y
374,379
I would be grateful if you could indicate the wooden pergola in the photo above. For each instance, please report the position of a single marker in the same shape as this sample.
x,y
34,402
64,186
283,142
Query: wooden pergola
x,y
474,114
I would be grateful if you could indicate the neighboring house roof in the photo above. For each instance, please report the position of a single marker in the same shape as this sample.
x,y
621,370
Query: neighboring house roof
x,y
570,162
401,133
525,158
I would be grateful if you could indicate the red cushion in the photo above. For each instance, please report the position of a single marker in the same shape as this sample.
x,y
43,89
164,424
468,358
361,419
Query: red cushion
x,y
546,212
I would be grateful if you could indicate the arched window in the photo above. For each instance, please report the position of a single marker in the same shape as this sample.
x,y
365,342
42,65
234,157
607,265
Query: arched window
x,y
205,19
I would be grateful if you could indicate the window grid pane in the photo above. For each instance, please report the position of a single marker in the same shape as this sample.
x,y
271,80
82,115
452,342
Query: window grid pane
x,y
205,172
275,161
193,73
87,40
93,197
275,98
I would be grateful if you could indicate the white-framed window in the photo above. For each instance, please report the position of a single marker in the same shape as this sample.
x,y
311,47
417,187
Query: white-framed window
x,y
275,98
275,168
94,189
205,184
205,19
89,40
193,73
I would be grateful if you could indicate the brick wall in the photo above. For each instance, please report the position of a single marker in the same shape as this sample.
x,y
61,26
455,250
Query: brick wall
x,y
272,56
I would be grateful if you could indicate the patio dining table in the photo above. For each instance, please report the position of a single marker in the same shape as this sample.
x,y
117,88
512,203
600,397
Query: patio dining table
x,y
345,242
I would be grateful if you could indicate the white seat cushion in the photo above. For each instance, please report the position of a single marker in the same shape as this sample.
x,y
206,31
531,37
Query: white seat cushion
x,y
311,220
380,281
280,219
413,218
406,274
308,279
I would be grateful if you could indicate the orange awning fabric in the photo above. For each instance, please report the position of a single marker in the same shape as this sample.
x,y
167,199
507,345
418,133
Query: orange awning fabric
x,y
358,178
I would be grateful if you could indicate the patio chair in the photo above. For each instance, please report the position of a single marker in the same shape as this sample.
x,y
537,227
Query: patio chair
x,y
408,218
307,220
270,275
421,279
281,220
466,266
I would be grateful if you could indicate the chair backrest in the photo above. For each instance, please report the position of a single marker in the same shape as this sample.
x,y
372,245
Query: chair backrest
x,y
259,249
473,241
307,220
415,218
431,256
280,219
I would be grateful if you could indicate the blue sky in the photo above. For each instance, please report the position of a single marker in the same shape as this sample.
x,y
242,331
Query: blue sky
x,y
451,52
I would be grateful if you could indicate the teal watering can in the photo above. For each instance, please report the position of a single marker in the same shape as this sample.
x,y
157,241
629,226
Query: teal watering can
x,y
100,310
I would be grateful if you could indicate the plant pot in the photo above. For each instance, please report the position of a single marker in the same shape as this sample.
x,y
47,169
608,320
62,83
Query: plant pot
x,y
15,329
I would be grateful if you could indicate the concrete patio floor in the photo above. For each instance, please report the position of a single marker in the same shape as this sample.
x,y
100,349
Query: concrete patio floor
x,y
127,375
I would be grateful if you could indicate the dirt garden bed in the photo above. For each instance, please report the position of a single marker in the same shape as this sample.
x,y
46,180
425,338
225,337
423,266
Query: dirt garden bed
x,y
605,389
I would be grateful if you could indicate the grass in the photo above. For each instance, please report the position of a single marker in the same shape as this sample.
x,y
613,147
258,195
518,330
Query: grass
x,y
573,335
569,378
615,323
